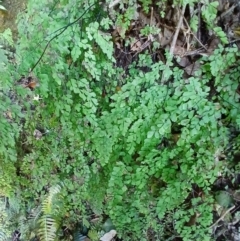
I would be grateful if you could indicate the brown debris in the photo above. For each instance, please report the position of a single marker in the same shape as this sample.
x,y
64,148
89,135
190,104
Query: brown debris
x,y
28,82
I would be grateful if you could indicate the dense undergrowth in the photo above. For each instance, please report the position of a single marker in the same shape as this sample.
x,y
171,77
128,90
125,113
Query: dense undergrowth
x,y
97,125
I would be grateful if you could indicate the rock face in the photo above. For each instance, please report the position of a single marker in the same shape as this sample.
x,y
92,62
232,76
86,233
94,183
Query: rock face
x,y
8,17
108,236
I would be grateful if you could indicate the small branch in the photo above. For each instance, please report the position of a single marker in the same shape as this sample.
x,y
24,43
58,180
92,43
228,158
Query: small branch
x,y
151,19
194,34
177,31
199,21
173,44
228,11
222,217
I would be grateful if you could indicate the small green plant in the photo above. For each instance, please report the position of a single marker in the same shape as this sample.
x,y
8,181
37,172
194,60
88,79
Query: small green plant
x,y
48,223
4,221
126,144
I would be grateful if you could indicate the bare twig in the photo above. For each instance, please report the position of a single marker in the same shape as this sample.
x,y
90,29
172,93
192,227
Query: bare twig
x,y
228,11
199,21
222,217
151,19
173,44
143,46
194,52
194,34
177,31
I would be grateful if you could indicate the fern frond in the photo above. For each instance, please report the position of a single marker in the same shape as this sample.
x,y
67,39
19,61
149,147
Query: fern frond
x,y
85,223
3,236
48,228
4,221
34,215
14,206
96,224
48,225
77,236
93,235
47,203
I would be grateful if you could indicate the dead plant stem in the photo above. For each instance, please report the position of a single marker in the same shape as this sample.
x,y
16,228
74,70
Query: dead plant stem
x,y
194,34
222,217
173,44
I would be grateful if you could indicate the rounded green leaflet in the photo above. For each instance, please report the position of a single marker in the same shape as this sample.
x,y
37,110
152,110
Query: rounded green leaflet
x,y
224,199
108,225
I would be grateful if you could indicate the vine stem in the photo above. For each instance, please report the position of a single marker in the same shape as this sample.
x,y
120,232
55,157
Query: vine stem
x,y
63,29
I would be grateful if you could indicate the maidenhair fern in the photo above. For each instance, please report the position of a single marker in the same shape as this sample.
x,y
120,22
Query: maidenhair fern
x,y
112,124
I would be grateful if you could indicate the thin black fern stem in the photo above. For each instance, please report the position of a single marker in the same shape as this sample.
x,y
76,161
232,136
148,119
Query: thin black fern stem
x,y
63,29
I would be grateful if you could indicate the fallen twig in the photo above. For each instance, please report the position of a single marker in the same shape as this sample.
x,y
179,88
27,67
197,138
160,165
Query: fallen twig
x,y
228,11
173,44
222,217
194,34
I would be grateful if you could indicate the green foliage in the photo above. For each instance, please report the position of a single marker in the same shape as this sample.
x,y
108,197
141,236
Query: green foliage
x,y
4,222
77,236
48,223
37,222
209,11
93,235
8,119
219,32
115,151
146,5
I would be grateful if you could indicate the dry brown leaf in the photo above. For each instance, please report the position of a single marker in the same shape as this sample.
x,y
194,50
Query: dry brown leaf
x,y
166,37
145,20
176,15
168,15
193,219
37,134
118,45
184,62
192,68
178,50
121,31
136,45
9,115
213,45
175,137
